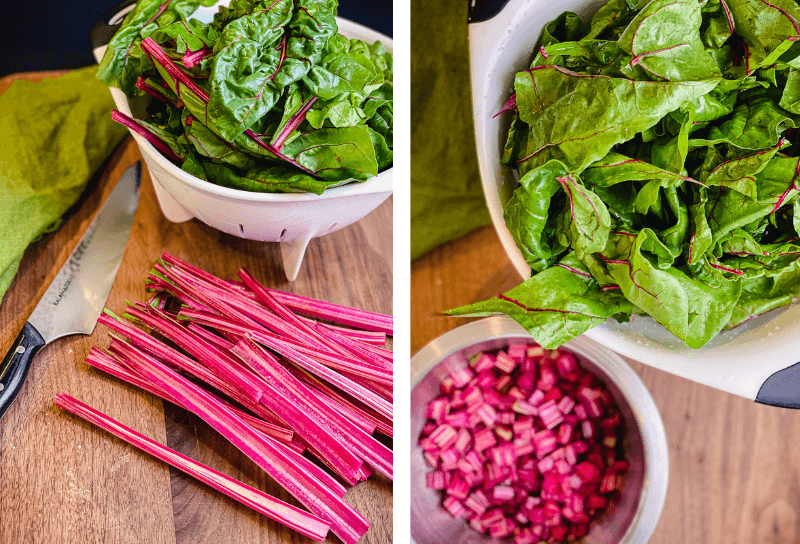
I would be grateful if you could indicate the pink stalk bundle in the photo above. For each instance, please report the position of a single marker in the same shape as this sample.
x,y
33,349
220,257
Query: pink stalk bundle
x,y
524,443
302,522
273,382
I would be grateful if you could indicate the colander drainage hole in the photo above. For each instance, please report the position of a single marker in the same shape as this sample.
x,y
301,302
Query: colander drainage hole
x,y
241,228
283,232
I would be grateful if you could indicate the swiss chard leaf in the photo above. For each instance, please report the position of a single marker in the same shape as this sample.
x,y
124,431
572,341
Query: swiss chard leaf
x,y
610,20
790,99
679,120
210,145
756,123
765,293
340,73
656,291
555,305
719,24
664,42
383,154
615,168
702,237
124,61
515,142
775,186
244,76
739,173
584,224
336,154
710,306
268,92
189,36
267,179
689,308
612,110
669,153
767,27
527,215
382,122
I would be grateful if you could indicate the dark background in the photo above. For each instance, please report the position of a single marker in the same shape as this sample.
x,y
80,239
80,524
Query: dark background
x,y
54,34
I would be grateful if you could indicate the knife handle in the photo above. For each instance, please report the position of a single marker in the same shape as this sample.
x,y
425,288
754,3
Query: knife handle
x,y
16,363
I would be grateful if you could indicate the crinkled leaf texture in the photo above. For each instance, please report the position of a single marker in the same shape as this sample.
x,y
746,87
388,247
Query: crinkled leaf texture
x,y
554,305
124,61
612,110
268,97
664,41
658,152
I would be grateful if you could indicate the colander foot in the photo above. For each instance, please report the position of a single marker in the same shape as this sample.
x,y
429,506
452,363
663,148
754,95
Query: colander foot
x,y
292,253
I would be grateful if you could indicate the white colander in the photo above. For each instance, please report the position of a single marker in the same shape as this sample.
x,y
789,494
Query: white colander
x,y
757,360
292,219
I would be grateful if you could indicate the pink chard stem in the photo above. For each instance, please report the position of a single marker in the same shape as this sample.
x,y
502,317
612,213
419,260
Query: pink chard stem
x,y
281,311
290,388
159,56
193,58
307,524
346,523
293,123
344,315
157,142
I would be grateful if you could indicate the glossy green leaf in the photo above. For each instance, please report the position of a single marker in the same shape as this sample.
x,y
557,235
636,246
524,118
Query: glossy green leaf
x,y
124,59
767,27
658,149
740,173
555,305
267,97
612,110
584,224
527,215
336,154
775,187
664,42
790,99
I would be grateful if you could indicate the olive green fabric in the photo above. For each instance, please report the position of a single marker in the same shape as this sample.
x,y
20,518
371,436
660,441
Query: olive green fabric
x,y
446,195
53,135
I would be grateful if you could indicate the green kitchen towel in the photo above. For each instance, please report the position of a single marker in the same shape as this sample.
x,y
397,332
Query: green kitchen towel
x,y
54,134
446,195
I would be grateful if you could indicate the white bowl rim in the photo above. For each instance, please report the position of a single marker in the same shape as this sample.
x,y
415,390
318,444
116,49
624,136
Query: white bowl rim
x,y
372,185
656,450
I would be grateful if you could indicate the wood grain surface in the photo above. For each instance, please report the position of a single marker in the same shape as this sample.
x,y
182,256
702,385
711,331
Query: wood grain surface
x,y
734,465
64,481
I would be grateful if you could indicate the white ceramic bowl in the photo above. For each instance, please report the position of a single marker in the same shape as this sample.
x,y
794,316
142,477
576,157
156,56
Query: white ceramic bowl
x,y
292,219
644,439
737,361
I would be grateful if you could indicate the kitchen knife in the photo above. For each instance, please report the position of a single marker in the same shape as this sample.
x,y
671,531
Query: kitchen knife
x,y
75,298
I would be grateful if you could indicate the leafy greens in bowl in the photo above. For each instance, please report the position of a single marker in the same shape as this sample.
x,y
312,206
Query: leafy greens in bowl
x,y
267,97
656,172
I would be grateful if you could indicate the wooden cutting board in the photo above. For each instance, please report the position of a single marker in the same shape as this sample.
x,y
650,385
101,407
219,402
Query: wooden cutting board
x,y
64,481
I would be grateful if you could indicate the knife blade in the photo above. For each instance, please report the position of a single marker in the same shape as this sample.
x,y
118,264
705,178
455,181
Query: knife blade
x,y
75,298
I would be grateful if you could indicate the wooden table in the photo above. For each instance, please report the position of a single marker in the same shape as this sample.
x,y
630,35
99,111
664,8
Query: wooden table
x,y
734,465
64,481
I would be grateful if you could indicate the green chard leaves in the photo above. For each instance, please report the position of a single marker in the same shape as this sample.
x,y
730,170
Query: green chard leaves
x,y
657,147
268,97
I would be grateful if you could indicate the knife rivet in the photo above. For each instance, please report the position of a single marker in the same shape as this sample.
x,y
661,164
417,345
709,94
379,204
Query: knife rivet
x,y
20,349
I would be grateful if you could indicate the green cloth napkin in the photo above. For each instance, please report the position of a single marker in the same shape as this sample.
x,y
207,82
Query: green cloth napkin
x,y
446,195
54,134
